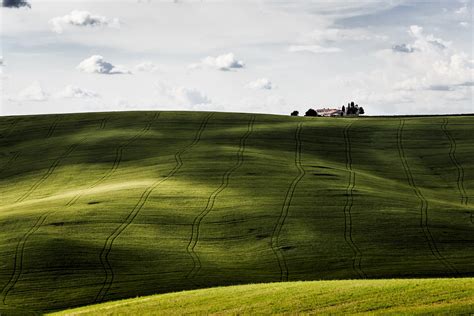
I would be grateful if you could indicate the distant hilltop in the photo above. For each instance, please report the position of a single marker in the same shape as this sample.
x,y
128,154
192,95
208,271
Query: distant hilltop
x,y
352,109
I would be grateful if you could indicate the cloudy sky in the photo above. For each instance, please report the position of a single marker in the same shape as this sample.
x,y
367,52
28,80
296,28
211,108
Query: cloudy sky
x,y
392,57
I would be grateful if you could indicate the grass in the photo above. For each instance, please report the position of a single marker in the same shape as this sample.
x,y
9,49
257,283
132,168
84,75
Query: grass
x,y
107,206
402,296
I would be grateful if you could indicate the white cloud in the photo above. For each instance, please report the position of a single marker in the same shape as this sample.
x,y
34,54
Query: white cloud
x,y
81,19
223,62
434,65
314,49
462,10
72,91
464,24
147,67
182,96
432,76
261,84
34,92
97,64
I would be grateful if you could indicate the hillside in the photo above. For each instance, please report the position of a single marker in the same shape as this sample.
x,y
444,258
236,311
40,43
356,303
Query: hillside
x,y
106,206
407,296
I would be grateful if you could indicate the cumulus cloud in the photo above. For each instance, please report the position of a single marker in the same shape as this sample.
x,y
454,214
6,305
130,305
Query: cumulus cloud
x,y
34,92
223,62
464,24
146,67
15,4
81,19
182,96
97,65
424,41
462,10
72,91
261,84
403,48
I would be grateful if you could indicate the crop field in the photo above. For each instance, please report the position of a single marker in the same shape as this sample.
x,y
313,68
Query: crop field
x,y
379,297
108,206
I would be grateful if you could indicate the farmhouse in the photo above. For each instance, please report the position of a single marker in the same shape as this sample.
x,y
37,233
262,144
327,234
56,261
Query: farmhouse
x,y
329,112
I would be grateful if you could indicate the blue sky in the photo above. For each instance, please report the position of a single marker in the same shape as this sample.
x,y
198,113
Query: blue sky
x,y
392,57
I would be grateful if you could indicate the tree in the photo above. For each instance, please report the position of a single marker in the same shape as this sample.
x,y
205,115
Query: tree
x,y
361,111
343,109
311,112
295,113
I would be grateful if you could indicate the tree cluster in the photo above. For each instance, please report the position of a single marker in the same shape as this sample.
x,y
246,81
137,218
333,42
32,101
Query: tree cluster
x,y
352,109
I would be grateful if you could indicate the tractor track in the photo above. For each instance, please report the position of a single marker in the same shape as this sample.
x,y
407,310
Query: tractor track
x,y
10,128
423,204
49,172
459,168
10,161
277,251
117,159
107,248
19,255
55,164
357,259
196,225
20,248
52,128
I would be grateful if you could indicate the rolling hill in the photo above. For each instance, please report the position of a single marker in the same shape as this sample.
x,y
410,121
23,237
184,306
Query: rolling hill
x,y
106,206
372,297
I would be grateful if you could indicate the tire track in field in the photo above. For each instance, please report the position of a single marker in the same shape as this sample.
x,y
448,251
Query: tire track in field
x,y
357,259
53,167
196,225
20,248
423,203
117,159
12,159
459,168
52,128
18,259
109,242
277,251
10,129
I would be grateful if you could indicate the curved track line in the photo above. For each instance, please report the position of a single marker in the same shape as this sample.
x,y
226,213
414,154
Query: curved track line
x,y
286,207
10,128
52,128
19,255
20,250
117,159
49,172
109,242
53,167
10,161
196,225
357,259
423,203
459,168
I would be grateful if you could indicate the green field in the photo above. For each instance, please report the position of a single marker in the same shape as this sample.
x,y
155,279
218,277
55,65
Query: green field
x,y
107,206
401,296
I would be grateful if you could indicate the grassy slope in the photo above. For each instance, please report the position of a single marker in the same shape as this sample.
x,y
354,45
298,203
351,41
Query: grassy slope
x,y
407,296
106,206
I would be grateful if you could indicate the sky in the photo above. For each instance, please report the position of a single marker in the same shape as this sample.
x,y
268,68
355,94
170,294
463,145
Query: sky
x,y
261,56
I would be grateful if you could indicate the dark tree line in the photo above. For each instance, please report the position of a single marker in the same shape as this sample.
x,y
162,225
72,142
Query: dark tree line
x,y
352,109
